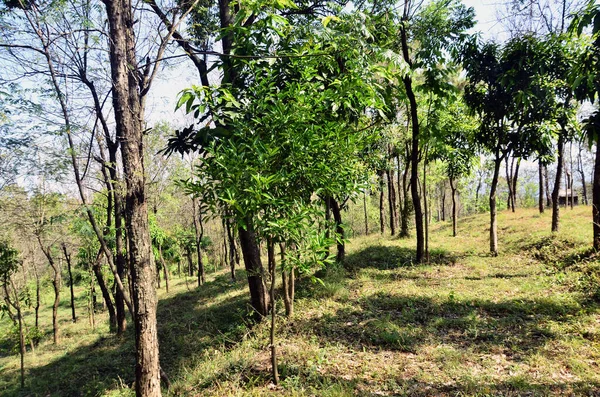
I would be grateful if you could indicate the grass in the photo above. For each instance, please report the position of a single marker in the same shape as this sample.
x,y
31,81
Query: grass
x,y
525,323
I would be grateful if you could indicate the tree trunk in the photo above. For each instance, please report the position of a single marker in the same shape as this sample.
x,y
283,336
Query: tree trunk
x,y
414,160
454,220
443,202
339,230
493,220
424,193
391,200
68,259
112,317
287,277
365,212
509,202
254,271
582,174
381,204
198,228
556,190
37,296
273,272
164,268
56,287
596,198
120,261
231,240
547,185
515,178
127,104
405,219
541,187
188,254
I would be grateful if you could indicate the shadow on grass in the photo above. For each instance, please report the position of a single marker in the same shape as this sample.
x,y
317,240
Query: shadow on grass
x,y
382,257
404,323
188,323
340,385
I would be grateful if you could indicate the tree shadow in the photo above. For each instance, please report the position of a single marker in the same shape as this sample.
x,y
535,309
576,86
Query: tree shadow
x,y
518,327
383,257
213,316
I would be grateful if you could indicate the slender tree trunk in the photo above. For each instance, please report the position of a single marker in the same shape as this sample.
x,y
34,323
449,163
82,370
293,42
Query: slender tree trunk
x,y
254,271
232,248
493,220
188,254
91,306
19,314
541,187
571,175
391,201
454,220
37,296
443,202
596,198
273,272
112,317
199,232
287,277
547,185
164,267
365,212
68,259
556,190
127,104
515,178
56,287
509,184
339,230
424,193
381,204
582,173
404,227
414,155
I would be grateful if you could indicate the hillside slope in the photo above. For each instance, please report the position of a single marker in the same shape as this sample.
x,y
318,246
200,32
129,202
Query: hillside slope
x,y
466,324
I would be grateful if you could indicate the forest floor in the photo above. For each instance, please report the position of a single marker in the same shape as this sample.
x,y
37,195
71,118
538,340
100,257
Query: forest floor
x,y
524,323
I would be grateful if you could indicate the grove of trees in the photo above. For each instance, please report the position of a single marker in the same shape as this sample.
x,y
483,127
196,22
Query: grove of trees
x,y
309,123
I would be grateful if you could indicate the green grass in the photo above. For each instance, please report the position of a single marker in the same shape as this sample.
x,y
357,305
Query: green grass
x,y
524,323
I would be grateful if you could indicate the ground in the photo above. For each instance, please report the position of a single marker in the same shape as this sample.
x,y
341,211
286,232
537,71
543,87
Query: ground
x,y
524,323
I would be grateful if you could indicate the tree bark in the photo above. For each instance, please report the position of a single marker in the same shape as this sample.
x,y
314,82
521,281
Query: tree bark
x,y
391,200
414,155
68,259
232,248
339,230
454,220
547,185
273,272
515,178
493,220
287,278
199,233
381,204
254,271
112,317
596,198
582,174
541,187
556,190
127,104
365,213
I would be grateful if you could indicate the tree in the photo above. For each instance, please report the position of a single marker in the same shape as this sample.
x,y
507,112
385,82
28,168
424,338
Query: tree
x,y
439,28
586,83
